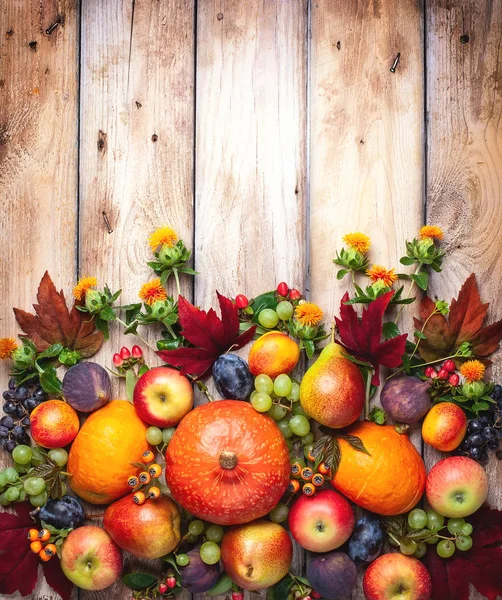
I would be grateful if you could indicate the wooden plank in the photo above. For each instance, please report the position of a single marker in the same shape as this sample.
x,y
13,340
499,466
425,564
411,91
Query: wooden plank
x,y
38,159
366,136
137,93
251,149
464,159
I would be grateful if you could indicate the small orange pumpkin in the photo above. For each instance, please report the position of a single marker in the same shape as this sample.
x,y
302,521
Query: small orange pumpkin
x,y
227,463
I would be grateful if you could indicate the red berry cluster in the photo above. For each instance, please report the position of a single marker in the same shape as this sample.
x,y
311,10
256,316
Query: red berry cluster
x,y
169,584
38,545
126,358
446,372
283,290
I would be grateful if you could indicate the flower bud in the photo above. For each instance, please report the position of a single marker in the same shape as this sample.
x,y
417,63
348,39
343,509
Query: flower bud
x,y
125,353
283,289
294,294
93,301
474,389
169,256
117,360
137,352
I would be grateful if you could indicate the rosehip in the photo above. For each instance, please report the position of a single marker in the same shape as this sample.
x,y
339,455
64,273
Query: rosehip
x,y
294,294
171,582
430,372
443,373
283,289
454,379
307,597
124,353
315,594
117,360
237,595
137,352
241,301
449,365
163,588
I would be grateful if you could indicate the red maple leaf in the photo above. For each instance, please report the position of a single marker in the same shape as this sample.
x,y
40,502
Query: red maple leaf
x,y
210,336
480,566
18,564
362,337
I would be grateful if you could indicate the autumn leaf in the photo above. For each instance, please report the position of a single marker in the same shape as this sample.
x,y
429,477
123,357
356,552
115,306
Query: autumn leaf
x,y
464,324
362,337
54,323
210,336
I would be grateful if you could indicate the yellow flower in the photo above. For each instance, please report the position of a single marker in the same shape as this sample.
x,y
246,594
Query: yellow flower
x,y
152,291
473,370
379,273
7,347
432,232
163,236
358,241
83,284
308,314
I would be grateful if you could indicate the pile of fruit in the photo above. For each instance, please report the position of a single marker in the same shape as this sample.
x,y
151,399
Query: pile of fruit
x,y
217,492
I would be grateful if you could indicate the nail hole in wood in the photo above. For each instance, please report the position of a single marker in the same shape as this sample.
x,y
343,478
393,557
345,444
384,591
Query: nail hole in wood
x,y
33,46
464,38
138,104
361,142
10,33
219,16
101,141
338,45
155,137
2,83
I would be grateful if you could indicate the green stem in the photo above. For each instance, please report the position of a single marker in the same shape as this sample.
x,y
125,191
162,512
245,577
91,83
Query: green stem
x,y
136,334
170,330
401,308
434,312
175,271
367,396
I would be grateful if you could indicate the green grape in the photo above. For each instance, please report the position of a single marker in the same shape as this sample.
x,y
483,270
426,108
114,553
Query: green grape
x,y
277,412
455,525
285,310
432,540
421,550
417,519
283,385
64,488
191,538
22,469
153,436
39,499
22,496
38,457
298,409
299,425
285,428
294,395
210,552
307,439
408,547
466,529
12,494
167,434
3,479
253,394
3,500
59,456
182,560
434,520
289,444
279,513
196,527
307,450
267,318
463,542
22,454
263,383
34,485
11,474
261,402
445,548
214,533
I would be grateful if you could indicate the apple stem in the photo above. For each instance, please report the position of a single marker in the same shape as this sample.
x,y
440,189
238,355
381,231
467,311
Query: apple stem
x,y
368,391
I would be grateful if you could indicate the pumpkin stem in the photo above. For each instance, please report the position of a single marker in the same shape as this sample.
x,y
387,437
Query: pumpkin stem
x,y
228,459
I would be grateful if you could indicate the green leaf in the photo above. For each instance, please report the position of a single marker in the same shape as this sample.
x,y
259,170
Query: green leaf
x,y
309,348
50,381
420,335
139,581
266,300
421,279
107,314
224,584
143,370
172,561
406,260
480,405
333,455
378,415
131,381
355,442
341,274
165,276
280,590
390,330
188,271
303,580
51,351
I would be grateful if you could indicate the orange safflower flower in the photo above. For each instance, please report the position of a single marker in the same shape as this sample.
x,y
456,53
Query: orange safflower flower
x,y
473,370
431,231
83,284
152,291
358,241
379,273
163,236
7,347
308,314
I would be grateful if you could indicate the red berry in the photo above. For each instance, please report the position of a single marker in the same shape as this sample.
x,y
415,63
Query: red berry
x,y
124,353
237,595
117,360
137,352
443,373
294,294
307,597
430,372
241,301
315,594
283,289
454,379
163,588
449,365
171,582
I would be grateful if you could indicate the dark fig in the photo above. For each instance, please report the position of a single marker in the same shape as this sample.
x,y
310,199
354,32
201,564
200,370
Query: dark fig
x,y
197,577
86,387
333,575
406,399
232,377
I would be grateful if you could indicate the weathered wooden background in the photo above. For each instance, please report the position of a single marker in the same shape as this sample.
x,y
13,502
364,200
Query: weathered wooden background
x,y
261,131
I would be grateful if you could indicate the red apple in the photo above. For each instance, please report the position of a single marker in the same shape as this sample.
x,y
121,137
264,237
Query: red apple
x,y
456,486
256,555
323,522
396,576
90,558
149,530
163,396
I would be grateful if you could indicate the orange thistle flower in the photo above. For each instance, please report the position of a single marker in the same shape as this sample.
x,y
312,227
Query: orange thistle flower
x,y
379,273
7,347
83,284
473,370
163,236
432,232
308,314
152,291
358,241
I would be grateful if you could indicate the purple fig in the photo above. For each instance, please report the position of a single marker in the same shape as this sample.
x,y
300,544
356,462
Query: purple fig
x,y
406,399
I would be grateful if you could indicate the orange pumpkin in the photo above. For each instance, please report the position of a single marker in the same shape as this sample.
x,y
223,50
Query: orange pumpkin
x,y
227,463
388,481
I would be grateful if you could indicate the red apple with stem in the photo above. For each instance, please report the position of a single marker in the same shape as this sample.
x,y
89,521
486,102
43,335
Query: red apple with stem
x,y
396,576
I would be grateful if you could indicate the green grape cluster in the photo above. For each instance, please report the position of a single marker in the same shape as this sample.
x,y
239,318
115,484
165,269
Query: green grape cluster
x,y
159,437
269,318
209,550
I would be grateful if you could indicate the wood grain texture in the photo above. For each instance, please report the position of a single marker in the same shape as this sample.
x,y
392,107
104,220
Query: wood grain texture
x,y
38,160
464,160
137,93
